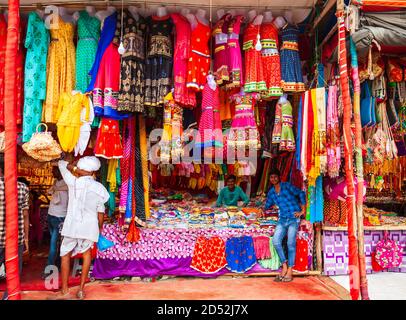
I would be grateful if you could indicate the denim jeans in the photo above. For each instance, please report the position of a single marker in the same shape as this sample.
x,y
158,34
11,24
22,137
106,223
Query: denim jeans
x,y
20,263
54,224
287,226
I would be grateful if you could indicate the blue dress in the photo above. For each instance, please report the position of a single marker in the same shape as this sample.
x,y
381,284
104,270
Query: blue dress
x,y
291,68
240,254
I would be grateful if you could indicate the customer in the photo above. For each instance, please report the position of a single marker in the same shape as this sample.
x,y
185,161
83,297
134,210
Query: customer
x,y
56,214
84,218
23,220
291,203
230,195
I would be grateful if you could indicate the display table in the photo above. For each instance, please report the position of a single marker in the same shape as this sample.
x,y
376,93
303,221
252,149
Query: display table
x,y
335,247
163,252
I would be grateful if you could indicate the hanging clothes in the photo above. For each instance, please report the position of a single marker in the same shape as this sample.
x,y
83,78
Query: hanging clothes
x,y
138,178
291,68
60,66
131,93
277,128
182,94
210,123
244,130
235,65
240,254
158,65
85,129
128,136
199,60
254,71
271,60
287,142
221,52
3,43
69,119
274,262
36,42
108,142
88,34
333,134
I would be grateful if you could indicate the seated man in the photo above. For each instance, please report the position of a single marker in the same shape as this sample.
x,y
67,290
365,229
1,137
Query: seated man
x,y
230,195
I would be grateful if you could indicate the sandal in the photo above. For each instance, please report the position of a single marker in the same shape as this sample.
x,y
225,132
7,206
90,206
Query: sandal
x,y
61,296
81,295
284,279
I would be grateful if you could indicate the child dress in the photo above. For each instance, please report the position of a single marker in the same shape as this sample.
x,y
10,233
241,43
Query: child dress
x,y
287,142
221,53
292,78
210,123
254,73
270,60
199,61
235,65
244,130
108,143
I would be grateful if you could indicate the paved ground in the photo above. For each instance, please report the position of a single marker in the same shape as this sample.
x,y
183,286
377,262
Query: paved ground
x,y
227,288
381,286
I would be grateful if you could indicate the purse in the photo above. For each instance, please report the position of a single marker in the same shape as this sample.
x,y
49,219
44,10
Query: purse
x,y
42,146
368,116
388,253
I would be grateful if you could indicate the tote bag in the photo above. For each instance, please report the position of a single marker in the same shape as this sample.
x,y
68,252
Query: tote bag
x,y
368,117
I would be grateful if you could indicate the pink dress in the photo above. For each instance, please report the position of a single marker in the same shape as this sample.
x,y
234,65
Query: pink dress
x,y
234,52
244,130
182,94
221,54
210,123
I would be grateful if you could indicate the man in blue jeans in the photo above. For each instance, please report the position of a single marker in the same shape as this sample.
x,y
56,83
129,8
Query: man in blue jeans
x,y
58,208
291,203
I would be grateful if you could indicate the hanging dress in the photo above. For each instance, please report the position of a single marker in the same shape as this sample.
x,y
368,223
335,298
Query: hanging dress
x,y
235,65
36,42
209,255
108,143
210,123
287,142
221,53
244,130
254,72
131,95
88,34
182,94
240,254
199,60
291,68
60,66
158,66
270,60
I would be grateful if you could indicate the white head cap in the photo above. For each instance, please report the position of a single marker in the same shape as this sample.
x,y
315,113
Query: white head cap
x,y
91,164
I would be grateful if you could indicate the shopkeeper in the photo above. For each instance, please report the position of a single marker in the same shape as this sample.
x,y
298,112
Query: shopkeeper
x,y
230,195
291,203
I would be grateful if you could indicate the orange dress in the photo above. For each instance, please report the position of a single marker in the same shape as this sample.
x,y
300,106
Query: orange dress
x,y
199,61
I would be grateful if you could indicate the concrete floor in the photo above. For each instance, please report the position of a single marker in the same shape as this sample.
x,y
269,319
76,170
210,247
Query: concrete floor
x,y
224,288
381,286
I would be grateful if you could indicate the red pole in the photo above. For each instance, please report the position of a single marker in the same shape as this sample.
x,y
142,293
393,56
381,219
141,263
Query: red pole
x,y
10,152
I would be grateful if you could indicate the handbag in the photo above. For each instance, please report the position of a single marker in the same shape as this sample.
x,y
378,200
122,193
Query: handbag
x,y
42,146
388,253
368,116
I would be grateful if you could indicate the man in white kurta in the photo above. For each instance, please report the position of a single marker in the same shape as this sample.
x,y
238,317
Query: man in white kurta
x,y
84,218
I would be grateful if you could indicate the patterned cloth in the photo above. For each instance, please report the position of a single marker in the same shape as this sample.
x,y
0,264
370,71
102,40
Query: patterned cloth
x,y
23,204
240,254
288,200
235,65
209,255
221,53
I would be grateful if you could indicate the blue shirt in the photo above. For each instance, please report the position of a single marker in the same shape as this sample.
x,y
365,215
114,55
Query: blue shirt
x,y
288,200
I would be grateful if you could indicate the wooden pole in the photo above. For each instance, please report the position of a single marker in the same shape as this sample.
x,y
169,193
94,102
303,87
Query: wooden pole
x,y
353,264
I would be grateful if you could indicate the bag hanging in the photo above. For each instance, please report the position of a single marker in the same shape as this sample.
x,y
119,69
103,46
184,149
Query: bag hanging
x,y
368,117
388,253
390,106
42,146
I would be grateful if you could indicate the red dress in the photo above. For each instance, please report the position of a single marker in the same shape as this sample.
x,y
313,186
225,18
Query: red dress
x,y
254,73
234,51
221,54
108,143
301,259
270,60
182,94
199,61
209,255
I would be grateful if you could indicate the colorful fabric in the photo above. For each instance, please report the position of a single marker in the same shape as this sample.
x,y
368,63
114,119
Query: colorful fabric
x,y
315,202
88,33
131,93
209,255
221,50
291,68
333,134
235,64
288,200
240,254
334,212
301,263
262,248
273,263
108,143
60,66
36,43
287,142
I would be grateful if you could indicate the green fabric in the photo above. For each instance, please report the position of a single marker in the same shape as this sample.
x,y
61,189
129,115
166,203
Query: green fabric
x,y
88,33
274,262
228,198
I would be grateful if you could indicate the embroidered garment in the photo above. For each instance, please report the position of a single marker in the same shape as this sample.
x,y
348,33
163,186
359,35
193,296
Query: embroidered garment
x,y
131,93
235,65
262,248
209,255
273,263
240,254
287,142
221,52
333,134
108,143
158,65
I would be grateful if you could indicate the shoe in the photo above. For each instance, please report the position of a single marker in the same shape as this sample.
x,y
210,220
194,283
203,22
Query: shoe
x,y
278,278
81,295
285,279
61,296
